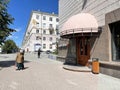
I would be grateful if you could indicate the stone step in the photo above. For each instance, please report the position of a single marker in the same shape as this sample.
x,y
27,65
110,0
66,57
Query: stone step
x,y
77,68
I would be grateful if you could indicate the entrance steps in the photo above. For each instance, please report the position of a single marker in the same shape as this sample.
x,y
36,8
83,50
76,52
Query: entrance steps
x,y
77,68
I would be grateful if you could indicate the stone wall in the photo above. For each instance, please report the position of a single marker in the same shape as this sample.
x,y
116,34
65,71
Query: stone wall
x,y
100,48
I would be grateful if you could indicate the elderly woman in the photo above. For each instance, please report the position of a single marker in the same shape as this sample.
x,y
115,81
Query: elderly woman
x,y
20,60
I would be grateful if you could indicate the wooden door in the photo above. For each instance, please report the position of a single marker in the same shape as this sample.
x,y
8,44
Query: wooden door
x,y
83,50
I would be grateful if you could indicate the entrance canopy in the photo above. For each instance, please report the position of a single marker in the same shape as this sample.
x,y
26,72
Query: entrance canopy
x,y
80,23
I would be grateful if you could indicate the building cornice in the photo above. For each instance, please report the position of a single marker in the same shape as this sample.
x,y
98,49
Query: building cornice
x,y
45,13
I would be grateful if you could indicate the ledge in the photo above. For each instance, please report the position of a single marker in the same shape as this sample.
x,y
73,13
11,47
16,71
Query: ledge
x,y
61,57
111,65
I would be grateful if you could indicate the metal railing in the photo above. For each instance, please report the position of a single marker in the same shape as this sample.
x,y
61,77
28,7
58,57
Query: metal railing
x,y
79,30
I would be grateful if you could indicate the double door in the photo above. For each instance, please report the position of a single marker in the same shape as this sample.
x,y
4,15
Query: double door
x,y
83,50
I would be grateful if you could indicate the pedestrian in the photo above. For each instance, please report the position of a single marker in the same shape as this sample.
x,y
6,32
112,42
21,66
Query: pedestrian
x,y
20,60
39,52
23,51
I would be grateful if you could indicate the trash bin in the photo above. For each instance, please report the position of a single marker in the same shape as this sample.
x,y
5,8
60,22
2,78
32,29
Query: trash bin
x,y
95,65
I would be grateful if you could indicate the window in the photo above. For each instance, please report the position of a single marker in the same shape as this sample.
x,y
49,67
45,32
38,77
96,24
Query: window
x,y
115,36
57,30
57,20
44,46
50,18
44,38
50,25
37,16
44,25
51,29
44,17
37,31
50,46
37,37
57,27
37,24
44,31
57,39
50,38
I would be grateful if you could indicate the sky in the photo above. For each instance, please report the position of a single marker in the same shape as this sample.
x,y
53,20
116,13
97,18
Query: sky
x,y
20,10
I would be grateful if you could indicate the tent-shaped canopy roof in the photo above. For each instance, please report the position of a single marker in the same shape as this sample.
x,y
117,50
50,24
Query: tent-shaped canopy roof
x,y
80,23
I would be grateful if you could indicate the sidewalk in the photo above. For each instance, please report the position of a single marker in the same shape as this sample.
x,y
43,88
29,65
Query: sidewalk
x,y
48,74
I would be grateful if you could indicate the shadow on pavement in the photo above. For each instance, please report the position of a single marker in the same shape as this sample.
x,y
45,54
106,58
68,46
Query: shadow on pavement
x,y
25,68
4,64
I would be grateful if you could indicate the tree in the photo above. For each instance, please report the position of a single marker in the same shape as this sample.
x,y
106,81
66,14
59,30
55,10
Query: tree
x,y
5,21
9,46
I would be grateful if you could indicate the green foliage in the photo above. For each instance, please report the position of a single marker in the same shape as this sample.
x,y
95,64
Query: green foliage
x,y
9,46
51,30
55,52
5,21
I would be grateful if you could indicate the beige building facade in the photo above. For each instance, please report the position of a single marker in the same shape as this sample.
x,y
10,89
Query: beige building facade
x,y
104,45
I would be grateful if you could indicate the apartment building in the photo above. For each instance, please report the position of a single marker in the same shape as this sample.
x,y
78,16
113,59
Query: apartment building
x,y
81,41
42,32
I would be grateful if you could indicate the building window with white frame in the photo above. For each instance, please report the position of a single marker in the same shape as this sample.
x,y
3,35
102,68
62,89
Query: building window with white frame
x,y
50,25
50,18
57,39
44,31
50,38
57,30
57,20
44,25
37,24
37,37
37,17
37,31
44,46
51,29
44,17
50,46
44,38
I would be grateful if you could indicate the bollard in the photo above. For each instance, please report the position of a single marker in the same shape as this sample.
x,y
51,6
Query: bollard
x,y
95,65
